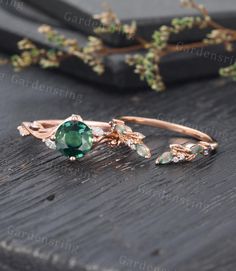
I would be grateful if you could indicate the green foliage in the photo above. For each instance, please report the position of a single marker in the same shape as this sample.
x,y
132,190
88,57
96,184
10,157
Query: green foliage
x,y
145,63
110,23
148,69
229,71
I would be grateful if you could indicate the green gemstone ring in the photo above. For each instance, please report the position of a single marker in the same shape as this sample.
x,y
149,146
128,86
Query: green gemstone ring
x,y
74,137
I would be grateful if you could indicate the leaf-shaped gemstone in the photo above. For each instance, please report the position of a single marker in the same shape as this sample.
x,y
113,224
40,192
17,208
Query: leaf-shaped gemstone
x,y
139,135
121,129
50,144
143,150
165,158
196,149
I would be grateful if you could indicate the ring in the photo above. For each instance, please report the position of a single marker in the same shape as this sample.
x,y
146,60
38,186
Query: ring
x,y
74,137
188,151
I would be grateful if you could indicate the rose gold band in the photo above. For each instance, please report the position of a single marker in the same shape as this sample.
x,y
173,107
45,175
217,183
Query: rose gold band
x,y
43,129
171,127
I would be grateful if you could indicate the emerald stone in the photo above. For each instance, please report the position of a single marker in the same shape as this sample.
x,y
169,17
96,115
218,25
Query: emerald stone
x,y
74,139
121,129
165,158
196,149
143,150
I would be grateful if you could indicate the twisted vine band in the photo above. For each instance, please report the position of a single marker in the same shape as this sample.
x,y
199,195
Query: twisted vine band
x,y
74,137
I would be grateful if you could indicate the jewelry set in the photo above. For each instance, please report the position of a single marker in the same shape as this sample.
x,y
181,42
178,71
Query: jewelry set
x,y
74,137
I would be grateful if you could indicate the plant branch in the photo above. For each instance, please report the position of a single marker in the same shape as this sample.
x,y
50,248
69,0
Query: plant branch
x,y
145,55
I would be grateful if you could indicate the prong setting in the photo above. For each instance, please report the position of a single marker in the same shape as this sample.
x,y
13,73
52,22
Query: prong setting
x,y
72,159
184,152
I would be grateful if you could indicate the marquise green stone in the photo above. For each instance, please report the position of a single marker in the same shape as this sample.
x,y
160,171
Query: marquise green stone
x,y
143,150
165,158
121,129
74,139
196,149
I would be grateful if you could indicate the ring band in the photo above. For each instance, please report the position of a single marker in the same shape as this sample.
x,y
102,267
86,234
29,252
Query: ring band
x,y
179,152
74,137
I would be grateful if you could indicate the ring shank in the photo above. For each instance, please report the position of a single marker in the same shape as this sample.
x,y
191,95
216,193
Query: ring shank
x,y
171,127
43,129
90,123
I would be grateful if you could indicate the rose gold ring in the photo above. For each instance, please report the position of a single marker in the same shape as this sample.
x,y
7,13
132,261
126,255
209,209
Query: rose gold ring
x,y
187,151
74,137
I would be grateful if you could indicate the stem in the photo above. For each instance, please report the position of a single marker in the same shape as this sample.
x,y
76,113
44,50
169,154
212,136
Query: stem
x,y
169,49
174,48
212,23
110,51
142,41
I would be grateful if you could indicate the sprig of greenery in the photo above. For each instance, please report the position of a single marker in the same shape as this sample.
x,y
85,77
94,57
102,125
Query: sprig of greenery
x,y
147,65
111,24
32,55
229,71
146,60
65,48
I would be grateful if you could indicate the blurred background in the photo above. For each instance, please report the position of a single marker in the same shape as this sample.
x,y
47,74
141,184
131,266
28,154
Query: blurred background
x,y
21,19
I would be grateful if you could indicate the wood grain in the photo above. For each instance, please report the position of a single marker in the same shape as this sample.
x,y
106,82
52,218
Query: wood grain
x,y
113,210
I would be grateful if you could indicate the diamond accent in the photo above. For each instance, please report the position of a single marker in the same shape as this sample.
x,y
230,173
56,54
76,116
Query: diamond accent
x,y
50,144
23,131
175,159
97,131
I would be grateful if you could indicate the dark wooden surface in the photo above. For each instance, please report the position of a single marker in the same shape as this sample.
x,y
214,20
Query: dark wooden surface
x,y
113,210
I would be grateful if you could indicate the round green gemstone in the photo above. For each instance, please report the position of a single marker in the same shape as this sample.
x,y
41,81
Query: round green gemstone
x,y
74,139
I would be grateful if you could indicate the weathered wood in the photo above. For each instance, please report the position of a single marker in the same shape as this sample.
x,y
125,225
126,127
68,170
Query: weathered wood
x,y
113,210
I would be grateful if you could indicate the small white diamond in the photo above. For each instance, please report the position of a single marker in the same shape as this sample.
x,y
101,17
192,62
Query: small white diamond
x,y
139,135
97,131
133,147
206,152
50,144
129,142
175,159
181,157
22,131
35,125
